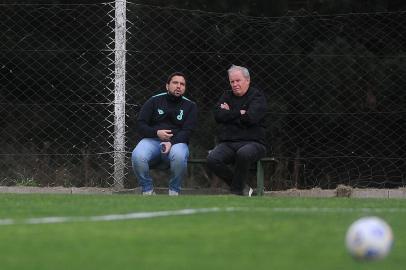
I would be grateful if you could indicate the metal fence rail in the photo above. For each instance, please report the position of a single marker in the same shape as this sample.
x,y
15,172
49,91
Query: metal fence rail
x,y
334,86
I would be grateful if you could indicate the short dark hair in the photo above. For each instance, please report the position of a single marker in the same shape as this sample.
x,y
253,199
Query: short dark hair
x,y
175,74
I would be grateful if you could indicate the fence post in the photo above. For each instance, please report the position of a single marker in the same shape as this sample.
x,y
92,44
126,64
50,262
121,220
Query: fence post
x,y
119,93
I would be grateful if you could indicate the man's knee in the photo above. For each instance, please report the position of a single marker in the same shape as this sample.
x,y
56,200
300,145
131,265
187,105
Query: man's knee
x,y
210,162
134,154
213,162
251,153
245,156
180,150
179,155
138,156
211,158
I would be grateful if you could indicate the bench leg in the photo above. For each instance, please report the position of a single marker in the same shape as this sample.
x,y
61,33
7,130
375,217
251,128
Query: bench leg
x,y
260,179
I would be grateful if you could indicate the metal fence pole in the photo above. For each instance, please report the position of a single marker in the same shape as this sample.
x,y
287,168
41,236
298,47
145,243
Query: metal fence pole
x,y
119,93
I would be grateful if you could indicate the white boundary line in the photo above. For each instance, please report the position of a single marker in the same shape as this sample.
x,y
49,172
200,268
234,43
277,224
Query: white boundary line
x,y
194,211
129,216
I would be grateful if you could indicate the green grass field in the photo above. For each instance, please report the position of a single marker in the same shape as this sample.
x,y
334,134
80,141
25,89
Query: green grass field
x,y
260,233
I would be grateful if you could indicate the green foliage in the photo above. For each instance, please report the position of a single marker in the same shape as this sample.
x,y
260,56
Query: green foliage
x,y
28,182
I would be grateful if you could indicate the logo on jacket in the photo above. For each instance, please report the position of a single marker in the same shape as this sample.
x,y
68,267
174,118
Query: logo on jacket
x,y
160,111
180,115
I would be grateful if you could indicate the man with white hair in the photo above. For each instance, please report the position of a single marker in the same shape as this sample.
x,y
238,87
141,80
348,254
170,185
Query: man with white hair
x,y
241,116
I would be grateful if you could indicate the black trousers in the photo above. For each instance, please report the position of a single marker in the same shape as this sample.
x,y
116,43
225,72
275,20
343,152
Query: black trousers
x,y
240,154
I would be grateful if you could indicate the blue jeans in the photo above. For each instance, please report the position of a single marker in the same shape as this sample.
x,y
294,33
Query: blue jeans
x,y
147,155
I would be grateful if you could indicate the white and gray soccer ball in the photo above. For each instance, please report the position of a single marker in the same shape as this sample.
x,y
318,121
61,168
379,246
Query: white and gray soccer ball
x,y
369,238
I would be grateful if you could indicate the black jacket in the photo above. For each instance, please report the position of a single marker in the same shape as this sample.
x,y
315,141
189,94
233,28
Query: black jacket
x,y
235,127
164,111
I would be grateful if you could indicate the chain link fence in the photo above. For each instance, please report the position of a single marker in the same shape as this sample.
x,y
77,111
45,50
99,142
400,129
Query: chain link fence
x,y
334,86
57,94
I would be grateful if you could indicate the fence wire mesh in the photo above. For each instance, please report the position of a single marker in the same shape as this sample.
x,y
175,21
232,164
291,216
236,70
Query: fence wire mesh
x,y
335,89
57,84
334,86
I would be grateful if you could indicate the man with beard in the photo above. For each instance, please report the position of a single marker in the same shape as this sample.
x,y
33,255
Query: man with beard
x,y
165,123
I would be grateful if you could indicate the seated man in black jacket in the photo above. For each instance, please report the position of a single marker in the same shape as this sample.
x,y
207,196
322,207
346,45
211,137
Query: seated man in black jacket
x,y
241,116
165,122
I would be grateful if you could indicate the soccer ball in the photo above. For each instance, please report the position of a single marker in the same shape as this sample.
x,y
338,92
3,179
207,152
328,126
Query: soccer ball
x,y
369,238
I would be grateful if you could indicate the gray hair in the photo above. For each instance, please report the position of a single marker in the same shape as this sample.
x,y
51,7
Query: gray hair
x,y
243,70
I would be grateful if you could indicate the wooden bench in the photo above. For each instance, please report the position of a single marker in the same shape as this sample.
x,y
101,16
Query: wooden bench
x,y
259,171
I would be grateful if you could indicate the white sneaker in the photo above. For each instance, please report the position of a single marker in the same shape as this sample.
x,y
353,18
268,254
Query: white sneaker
x,y
148,193
173,193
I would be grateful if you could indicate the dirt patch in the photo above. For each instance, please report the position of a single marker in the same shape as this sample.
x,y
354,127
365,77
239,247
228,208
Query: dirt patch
x,y
55,190
341,191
